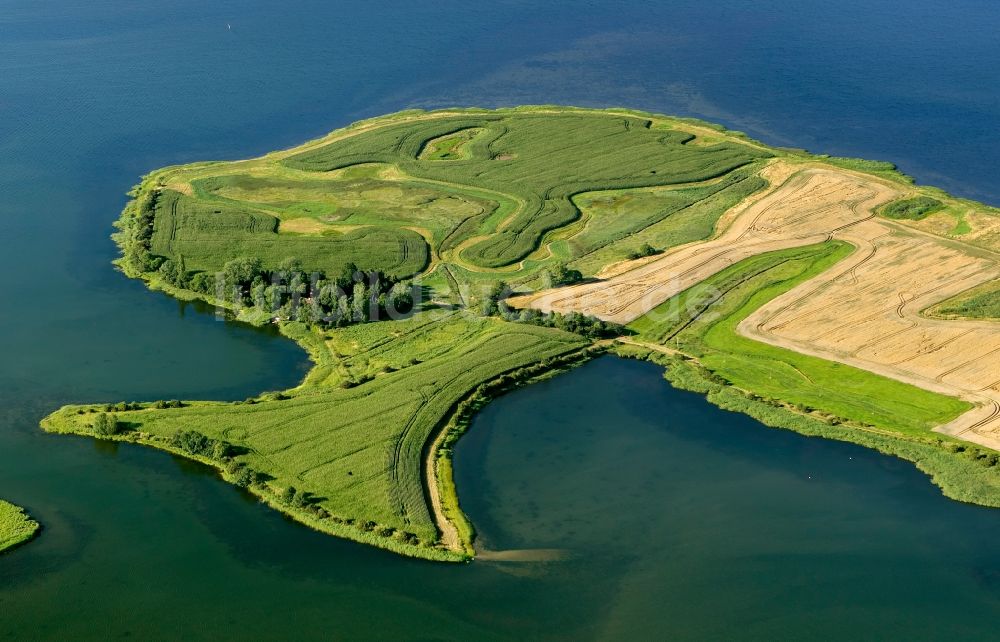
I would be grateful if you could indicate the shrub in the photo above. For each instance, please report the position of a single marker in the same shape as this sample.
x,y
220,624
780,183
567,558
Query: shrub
x,y
913,209
106,425
195,443
562,275
221,450
300,499
644,250
245,476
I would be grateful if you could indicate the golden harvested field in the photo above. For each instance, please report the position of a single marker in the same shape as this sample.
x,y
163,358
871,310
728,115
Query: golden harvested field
x,y
864,312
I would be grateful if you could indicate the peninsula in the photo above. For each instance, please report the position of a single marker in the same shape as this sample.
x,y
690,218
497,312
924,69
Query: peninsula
x,y
429,261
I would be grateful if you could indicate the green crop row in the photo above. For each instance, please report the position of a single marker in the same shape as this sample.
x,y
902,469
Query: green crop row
x,y
541,160
209,234
357,449
979,303
702,321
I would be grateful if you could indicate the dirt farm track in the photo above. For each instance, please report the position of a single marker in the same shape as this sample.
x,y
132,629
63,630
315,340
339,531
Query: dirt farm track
x,y
865,311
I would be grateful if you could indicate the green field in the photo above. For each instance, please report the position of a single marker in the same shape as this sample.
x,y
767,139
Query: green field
x,y
479,190
702,320
16,527
352,436
979,303
618,222
542,161
452,146
443,207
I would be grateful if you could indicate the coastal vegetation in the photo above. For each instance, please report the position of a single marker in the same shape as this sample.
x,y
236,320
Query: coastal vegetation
x,y
979,303
914,209
352,436
392,250
16,528
701,322
964,472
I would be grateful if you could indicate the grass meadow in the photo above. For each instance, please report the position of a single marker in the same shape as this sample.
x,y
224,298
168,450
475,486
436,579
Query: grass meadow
x,y
16,527
980,303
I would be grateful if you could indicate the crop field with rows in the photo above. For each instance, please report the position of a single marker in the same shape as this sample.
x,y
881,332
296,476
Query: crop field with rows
x,y
353,440
509,193
543,161
207,234
702,321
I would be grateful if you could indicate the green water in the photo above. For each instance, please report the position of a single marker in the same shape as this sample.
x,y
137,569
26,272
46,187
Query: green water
x,y
674,518
683,519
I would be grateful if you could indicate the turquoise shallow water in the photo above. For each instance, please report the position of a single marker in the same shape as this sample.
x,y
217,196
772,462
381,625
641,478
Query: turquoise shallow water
x,y
677,517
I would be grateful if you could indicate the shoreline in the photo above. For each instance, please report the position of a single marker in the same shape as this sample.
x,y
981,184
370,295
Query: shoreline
x,y
947,468
267,497
25,521
442,492
455,530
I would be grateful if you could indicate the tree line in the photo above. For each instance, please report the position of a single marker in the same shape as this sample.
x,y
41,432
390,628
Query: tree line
x,y
494,304
289,292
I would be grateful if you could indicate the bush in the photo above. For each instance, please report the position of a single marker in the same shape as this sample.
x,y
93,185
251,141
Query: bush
x,y
644,250
106,425
301,499
585,325
913,209
221,450
195,443
245,476
562,275
242,475
406,537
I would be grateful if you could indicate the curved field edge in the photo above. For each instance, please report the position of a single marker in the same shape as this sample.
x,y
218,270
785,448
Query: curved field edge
x,y
452,520
308,417
702,130
957,468
439,463
702,322
703,352
16,527
982,302
57,423
581,139
437,482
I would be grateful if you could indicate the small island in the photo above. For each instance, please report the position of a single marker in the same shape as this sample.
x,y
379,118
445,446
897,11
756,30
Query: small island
x,y
16,528
430,261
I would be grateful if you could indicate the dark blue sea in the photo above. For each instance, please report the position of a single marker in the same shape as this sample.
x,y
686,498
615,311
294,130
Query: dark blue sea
x,y
680,521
